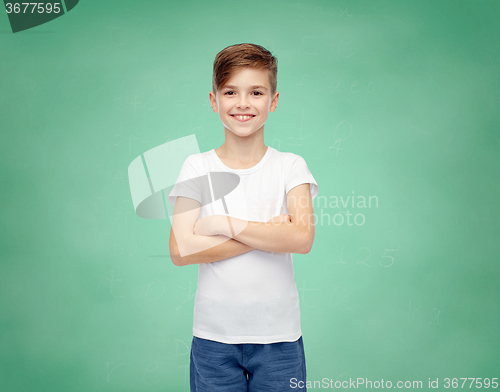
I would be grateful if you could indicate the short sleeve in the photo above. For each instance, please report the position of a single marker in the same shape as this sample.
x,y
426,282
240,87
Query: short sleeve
x,y
298,173
189,183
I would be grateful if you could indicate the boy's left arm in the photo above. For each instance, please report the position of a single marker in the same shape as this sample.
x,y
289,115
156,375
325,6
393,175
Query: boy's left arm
x,y
296,236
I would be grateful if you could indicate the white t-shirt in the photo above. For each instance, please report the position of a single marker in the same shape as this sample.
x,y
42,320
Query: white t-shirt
x,y
252,297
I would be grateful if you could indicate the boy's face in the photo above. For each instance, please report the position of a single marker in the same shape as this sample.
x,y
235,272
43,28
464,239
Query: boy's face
x,y
248,93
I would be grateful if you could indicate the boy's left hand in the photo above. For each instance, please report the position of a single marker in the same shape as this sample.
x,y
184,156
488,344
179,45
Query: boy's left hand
x,y
209,225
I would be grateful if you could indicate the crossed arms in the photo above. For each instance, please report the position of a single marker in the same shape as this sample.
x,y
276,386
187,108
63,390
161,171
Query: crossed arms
x,y
217,237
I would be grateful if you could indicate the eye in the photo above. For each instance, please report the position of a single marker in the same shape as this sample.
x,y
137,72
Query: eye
x,y
229,93
258,92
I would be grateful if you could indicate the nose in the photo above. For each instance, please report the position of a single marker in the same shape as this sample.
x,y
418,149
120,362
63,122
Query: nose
x,y
243,102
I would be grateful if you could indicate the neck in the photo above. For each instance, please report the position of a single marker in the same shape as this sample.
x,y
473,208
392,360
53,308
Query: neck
x,y
243,149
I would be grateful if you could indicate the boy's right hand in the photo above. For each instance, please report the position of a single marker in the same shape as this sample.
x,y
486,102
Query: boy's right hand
x,y
280,218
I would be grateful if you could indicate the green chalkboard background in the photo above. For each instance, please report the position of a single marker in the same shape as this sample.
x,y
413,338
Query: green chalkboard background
x,y
397,100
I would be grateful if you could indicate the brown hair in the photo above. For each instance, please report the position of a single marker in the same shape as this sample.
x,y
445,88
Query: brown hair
x,y
235,57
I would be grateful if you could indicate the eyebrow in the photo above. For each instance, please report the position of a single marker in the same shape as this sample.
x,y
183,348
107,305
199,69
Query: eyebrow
x,y
251,87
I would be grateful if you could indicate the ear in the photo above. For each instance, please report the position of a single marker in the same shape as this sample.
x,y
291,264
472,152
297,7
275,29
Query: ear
x,y
274,102
213,102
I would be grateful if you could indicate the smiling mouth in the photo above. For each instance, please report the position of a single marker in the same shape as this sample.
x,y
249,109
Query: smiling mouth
x,y
240,117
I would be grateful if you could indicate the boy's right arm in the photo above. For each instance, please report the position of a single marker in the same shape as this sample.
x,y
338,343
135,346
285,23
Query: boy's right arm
x,y
201,249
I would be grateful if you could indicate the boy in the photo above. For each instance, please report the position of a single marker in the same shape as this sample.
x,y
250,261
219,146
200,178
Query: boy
x,y
246,333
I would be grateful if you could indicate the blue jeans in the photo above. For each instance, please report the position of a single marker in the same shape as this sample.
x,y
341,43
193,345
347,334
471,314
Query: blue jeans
x,y
221,367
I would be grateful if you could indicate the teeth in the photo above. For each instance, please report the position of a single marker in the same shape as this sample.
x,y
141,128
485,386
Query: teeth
x,y
243,117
